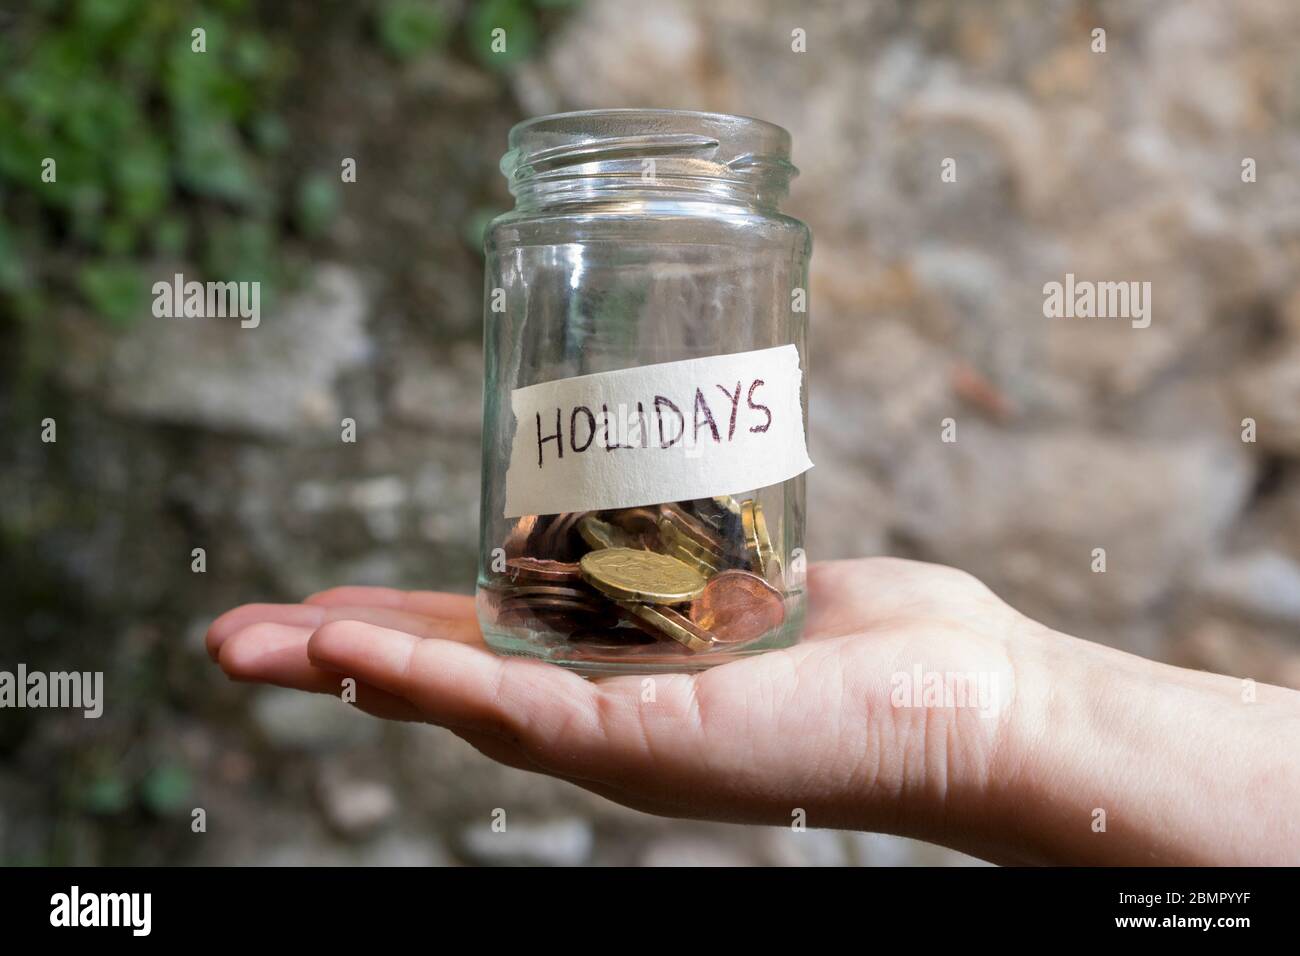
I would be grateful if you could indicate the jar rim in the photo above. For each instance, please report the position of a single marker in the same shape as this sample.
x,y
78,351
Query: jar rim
x,y
603,122
686,146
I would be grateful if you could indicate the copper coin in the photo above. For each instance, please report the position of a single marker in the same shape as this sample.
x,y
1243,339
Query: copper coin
x,y
546,590
612,639
558,614
516,544
541,569
574,602
537,531
532,605
738,606
559,540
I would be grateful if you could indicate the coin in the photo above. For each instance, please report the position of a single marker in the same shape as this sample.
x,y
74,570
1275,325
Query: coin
x,y
666,621
706,566
557,603
629,575
559,539
705,570
545,590
698,563
690,526
541,569
758,542
771,564
602,534
558,613
674,539
747,523
516,543
737,606
638,521
728,504
612,639
720,513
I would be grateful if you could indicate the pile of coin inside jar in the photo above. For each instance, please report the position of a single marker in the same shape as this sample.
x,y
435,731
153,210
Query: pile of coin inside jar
x,y
701,575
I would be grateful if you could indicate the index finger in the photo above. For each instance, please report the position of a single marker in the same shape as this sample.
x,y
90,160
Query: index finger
x,y
564,724
439,604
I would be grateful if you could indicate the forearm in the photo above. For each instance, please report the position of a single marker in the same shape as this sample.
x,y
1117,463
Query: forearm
x,y
1108,758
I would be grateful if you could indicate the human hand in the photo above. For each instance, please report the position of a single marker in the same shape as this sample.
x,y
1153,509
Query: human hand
x,y
825,727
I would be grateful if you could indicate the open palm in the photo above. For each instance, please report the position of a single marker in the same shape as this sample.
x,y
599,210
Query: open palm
x,y
810,729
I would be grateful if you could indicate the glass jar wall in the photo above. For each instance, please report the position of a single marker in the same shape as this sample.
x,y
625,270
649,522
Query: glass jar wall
x,y
645,400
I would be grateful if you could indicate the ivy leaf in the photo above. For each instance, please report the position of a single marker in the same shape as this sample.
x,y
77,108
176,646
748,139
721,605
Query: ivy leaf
x,y
410,28
141,177
12,273
212,162
166,789
520,32
106,795
115,289
317,205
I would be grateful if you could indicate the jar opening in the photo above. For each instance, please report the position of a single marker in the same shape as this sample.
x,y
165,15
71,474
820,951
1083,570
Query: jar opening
x,y
598,155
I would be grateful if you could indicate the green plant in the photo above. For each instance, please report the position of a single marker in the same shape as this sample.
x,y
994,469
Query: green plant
x,y
409,28
126,134
503,33
500,34
165,789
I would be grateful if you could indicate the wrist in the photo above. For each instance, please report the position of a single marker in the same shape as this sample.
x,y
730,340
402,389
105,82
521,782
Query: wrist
x,y
1111,758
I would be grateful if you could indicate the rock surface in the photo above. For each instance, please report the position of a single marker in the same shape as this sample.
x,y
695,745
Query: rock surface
x,y
927,305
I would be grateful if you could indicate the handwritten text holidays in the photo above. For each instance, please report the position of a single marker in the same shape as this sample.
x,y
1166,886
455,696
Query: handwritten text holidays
x,y
625,429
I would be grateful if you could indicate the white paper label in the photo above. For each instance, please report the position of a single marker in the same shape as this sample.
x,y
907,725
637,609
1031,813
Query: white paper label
x,y
670,432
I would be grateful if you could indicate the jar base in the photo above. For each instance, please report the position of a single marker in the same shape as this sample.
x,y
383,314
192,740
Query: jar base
x,y
645,659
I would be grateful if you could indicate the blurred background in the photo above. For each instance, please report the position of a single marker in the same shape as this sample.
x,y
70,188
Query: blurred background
x,y
927,304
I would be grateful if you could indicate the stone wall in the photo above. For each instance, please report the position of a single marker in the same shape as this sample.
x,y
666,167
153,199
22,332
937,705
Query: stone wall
x,y
927,301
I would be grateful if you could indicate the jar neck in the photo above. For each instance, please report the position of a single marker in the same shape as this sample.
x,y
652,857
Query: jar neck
x,y
633,159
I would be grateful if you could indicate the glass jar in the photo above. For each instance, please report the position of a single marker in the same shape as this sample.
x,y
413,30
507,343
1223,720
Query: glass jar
x,y
645,402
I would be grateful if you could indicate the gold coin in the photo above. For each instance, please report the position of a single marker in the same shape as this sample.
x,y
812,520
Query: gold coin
x,y
675,540
666,621
766,553
712,562
699,564
602,534
749,525
629,575
690,526
721,513
758,542
727,503
636,521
